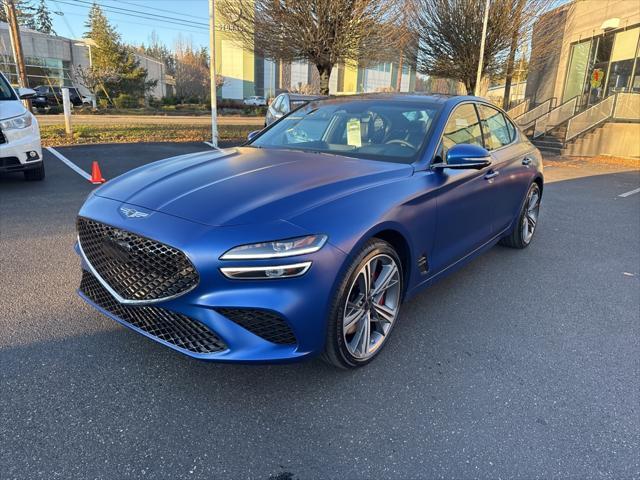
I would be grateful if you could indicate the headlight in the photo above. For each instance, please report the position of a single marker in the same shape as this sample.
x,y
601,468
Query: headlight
x,y
263,273
17,123
277,248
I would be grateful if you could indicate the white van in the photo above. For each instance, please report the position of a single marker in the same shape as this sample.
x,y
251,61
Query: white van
x,y
20,148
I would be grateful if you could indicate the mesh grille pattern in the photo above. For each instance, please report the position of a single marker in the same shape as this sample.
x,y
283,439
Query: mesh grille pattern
x,y
137,268
262,323
171,327
9,162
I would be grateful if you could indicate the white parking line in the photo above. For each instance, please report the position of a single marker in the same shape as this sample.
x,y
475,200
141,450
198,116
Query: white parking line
x,y
69,163
626,194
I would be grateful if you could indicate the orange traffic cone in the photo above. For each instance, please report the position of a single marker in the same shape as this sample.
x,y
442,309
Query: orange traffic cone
x,y
96,175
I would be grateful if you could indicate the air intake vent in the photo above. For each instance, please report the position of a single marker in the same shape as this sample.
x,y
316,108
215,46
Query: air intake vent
x,y
262,323
172,327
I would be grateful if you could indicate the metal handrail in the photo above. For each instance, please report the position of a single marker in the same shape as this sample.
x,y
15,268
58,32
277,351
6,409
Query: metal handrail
x,y
555,117
627,106
519,109
621,106
527,119
590,117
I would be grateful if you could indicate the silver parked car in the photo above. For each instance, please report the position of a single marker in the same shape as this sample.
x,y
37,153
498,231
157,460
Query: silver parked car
x,y
255,101
286,102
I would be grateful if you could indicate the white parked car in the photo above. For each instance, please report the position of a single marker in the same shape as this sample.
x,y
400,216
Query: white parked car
x,y
255,101
20,148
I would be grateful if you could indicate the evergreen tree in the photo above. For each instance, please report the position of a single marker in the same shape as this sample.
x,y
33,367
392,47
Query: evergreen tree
x,y
24,11
43,21
109,54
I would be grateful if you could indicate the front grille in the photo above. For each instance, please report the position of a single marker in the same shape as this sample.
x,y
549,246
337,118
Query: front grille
x,y
175,328
136,267
262,323
6,162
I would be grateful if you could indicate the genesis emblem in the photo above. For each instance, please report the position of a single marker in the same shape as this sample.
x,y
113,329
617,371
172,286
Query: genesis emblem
x,y
132,213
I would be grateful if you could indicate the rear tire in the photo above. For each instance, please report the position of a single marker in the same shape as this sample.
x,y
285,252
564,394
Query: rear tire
x,y
35,174
523,231
363,312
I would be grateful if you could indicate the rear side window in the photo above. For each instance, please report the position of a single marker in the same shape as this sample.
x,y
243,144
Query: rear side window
x,y
463,126
494,127
277,102
512,129
284,106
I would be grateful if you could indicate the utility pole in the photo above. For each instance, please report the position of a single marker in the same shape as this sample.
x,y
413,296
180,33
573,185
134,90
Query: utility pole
x,y
482,42
16,44
212,73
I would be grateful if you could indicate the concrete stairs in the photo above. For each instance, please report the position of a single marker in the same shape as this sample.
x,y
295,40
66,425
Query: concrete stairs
x,y
552,142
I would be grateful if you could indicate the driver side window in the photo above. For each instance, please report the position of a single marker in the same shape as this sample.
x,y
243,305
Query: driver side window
x,y
463,126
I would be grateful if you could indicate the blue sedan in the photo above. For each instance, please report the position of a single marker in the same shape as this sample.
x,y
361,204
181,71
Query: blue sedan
x,y
306,240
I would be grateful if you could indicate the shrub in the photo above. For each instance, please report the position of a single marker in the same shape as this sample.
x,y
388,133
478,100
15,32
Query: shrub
x,y
124,100
169,101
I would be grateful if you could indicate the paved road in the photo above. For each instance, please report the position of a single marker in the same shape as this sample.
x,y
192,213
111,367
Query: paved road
x,y
149,120
523,365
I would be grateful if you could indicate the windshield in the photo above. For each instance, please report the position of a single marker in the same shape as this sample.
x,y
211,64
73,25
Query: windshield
x,y
393,131
6,92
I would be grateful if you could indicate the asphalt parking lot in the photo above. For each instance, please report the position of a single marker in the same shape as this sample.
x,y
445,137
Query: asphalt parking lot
x,y
525,364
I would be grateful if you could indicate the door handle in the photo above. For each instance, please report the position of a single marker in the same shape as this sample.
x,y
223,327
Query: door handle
x,y
526,161
492,174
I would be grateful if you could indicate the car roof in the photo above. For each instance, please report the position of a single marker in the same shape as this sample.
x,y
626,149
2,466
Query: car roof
x,y
416,97
299,96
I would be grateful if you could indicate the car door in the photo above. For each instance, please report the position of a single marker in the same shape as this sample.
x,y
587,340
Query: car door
x,y
464,197
512,165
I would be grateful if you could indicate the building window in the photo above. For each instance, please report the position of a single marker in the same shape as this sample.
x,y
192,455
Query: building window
x,y
604,65
622,60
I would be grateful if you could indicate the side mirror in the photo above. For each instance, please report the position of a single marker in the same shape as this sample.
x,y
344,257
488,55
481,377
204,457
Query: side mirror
x,y
466,156
26,93
251,135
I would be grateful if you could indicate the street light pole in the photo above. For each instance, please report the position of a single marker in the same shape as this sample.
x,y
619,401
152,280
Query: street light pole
x,y
212,73
476,91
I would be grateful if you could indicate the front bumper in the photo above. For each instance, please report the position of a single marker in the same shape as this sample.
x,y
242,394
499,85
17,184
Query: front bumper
x,y
14,151
301,303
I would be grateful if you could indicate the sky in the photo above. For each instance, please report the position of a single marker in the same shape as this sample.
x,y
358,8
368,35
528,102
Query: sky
x,y
171,18
168,18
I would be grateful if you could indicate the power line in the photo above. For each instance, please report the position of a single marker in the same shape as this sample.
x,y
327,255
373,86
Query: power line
x,y
155,24
157,9
138,14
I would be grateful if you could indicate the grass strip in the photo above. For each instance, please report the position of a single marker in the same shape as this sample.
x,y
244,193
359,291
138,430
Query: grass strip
x,y
54,135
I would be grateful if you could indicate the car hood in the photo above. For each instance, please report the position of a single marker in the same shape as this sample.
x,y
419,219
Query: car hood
x,y
247,185
11,108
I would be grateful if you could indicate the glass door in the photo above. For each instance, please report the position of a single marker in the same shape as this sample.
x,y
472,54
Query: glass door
x,y
577,70
595,86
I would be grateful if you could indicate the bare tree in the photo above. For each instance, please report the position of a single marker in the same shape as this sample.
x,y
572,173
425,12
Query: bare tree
x,y
321,32
192,71
94,78
450,31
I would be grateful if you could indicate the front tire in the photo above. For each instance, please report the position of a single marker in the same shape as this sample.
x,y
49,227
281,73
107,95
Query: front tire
x,y
365,307
522,233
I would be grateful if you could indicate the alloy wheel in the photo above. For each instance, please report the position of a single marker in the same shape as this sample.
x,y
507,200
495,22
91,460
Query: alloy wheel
x,y
372,306
530,217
